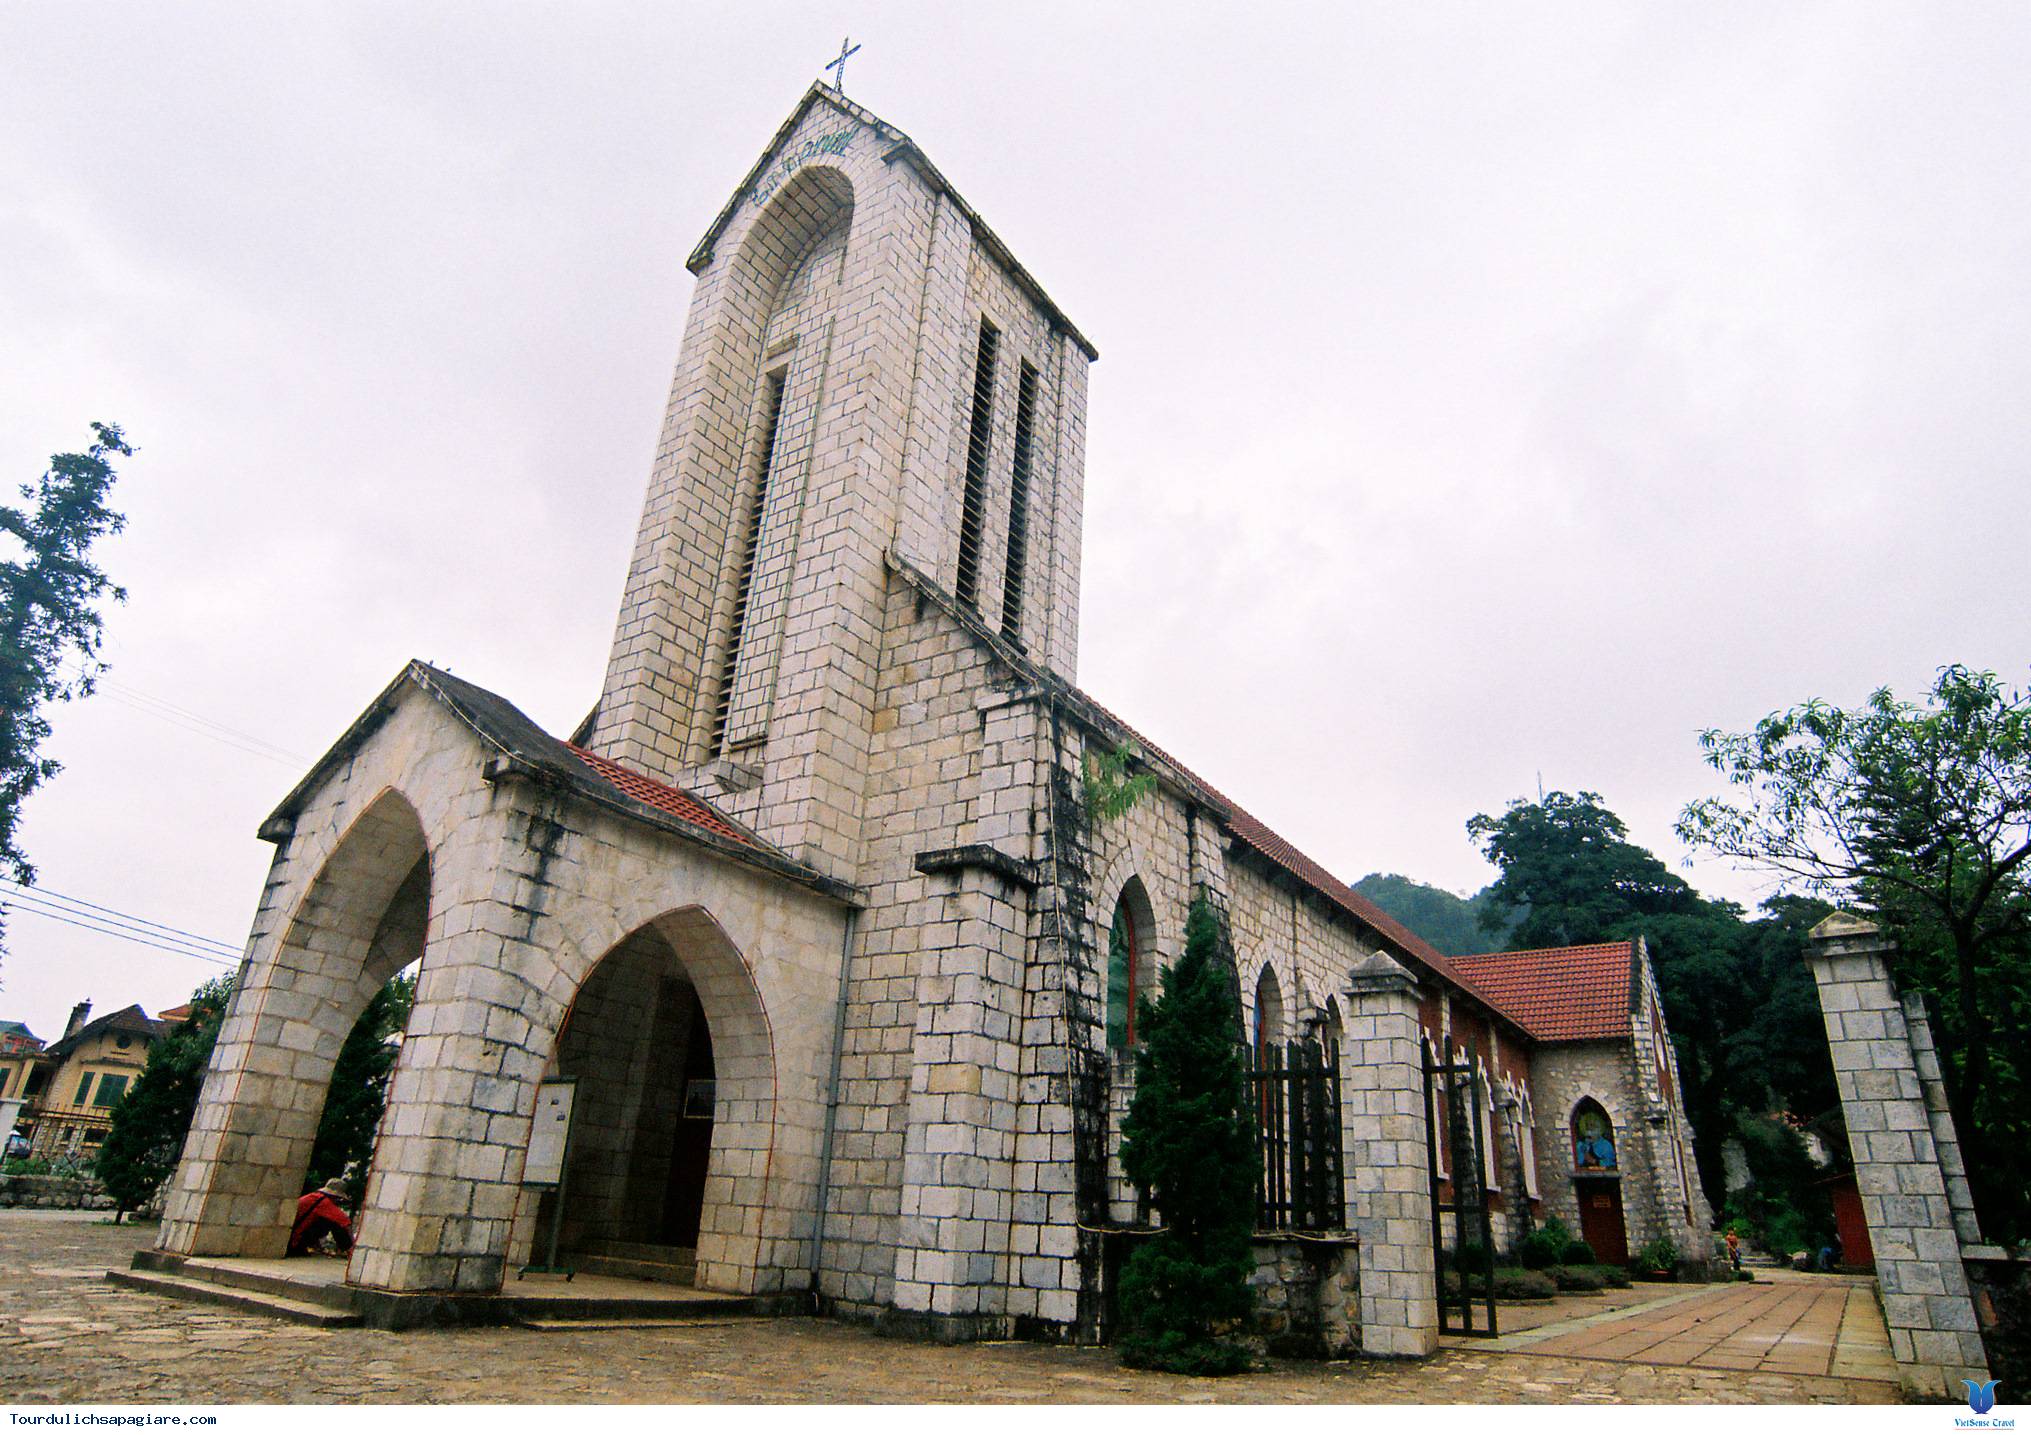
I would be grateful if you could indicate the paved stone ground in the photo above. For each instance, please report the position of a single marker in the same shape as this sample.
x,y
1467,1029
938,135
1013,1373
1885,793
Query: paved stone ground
x,y
1785,1324
67,1336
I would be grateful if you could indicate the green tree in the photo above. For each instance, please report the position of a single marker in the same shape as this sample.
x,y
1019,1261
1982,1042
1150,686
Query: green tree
x,y
1457,926
1571,876
1923,812
150,1123
1187,1140
1743,1014
359,1089
49,596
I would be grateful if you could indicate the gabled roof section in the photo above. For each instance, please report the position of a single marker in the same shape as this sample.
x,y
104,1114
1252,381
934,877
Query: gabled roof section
x,y
1244,828
900,147
523,750
131,1020
1561,993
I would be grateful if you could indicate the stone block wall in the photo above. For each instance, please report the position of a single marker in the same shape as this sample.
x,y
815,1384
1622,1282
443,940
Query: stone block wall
x,y
1896,1114
1307,1298
1384,1146
54,1193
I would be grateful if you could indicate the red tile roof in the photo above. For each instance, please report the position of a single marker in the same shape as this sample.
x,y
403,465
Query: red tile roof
x,y
663,797
1559,993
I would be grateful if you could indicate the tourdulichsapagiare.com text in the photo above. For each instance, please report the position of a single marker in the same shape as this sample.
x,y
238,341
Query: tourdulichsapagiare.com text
x,y
92,1417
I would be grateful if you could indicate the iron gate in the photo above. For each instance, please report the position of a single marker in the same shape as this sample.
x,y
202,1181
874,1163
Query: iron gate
x,y
1297,1138
1464,1089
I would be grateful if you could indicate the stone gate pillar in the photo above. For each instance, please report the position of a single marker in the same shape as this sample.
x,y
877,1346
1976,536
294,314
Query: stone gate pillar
x,y
960,1146
1388,1176
1907,1158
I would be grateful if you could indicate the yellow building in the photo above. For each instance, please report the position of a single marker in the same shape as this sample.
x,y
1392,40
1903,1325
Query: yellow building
x,y
80,1079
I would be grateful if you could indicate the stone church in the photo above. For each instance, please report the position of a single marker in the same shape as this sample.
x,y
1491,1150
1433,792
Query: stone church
x,y
811,912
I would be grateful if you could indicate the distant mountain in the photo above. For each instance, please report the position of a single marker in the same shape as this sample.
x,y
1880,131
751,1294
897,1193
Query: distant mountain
x,y
1451,923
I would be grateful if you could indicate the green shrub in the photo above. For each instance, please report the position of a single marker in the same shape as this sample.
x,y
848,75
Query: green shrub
x,y
1577,1278
1471,1256
1544,1247
1614,1276
1188,1139
1658,1254
1578,1253
1514,1284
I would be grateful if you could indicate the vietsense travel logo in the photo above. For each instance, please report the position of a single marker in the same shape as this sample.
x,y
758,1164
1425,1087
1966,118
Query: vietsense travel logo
x,y
1981,1400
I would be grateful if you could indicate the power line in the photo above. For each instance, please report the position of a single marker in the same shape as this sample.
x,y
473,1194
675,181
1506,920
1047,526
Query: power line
x,y
13,904
111,928
94,912
195,722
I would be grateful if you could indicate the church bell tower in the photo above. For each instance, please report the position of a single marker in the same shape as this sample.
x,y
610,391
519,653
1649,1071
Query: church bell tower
x,y
868,379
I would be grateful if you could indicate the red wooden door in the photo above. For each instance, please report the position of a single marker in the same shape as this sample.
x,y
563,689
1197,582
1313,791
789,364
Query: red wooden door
x,y
1601,1221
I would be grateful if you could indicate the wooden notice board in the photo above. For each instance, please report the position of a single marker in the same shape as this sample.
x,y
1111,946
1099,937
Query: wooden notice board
x,y
551,1134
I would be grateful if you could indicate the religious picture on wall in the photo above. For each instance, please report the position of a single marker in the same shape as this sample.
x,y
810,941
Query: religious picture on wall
x,y
1593,1140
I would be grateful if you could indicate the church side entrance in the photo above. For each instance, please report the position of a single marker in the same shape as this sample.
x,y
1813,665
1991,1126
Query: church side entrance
x,y
1601,1224
646,1176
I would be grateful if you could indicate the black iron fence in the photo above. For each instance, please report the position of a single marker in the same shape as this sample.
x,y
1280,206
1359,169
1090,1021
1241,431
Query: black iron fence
x,y
1296,1094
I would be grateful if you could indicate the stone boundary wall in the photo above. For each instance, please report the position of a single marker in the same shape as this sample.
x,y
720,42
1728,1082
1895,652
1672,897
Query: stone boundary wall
x,y
1307,1296
54,1193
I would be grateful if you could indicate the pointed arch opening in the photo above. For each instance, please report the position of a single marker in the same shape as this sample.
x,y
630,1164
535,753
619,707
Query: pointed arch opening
x,y
255,1144
1131,963
674,1111
1269,1017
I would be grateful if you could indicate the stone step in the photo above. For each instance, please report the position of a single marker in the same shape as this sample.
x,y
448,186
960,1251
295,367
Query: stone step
x,y
657,1271
565,1312
644,1251
596,1322
256,1302
336,1296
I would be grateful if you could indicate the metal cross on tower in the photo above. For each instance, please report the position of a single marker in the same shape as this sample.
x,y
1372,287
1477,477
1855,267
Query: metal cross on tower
x,y
846,48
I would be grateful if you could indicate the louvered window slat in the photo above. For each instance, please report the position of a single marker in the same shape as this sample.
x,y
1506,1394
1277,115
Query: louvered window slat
x,y
751,533
978,434
1019,508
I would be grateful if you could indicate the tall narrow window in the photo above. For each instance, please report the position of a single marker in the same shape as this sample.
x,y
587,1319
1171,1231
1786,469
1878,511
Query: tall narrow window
x,y
1019,507
977,435
1131,962
750,540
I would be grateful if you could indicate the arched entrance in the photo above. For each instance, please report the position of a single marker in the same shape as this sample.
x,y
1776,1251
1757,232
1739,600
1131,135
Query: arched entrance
x,y
673,1120
362,920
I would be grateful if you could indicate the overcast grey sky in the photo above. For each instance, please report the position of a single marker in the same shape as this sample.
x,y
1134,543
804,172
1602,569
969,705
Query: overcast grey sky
x,y
1486,391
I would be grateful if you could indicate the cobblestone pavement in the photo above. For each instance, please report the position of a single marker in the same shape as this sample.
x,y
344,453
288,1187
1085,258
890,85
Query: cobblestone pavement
x,y
67,1337
1784,1324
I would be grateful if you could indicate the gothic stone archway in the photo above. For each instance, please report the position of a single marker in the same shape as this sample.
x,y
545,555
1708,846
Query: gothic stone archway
x,y
362,920
674,1117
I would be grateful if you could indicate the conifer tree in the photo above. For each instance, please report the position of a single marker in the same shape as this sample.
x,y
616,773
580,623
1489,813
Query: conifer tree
x,y
153,1118
1187,1140
49,618
359,1090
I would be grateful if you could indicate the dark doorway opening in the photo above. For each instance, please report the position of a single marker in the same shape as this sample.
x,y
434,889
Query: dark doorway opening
x,y
691,1144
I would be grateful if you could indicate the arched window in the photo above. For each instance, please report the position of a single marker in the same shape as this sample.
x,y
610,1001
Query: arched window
x,y
1268,1012
1593,1137
1131,963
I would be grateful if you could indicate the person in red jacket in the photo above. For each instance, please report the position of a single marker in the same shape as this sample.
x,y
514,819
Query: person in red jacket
x,y
319,1214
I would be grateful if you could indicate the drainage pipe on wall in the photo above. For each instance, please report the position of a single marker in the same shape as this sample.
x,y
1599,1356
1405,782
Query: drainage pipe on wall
x,y
831,1104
